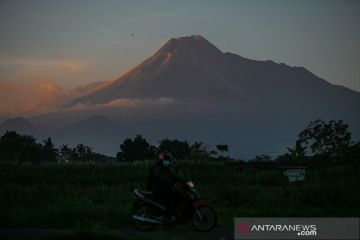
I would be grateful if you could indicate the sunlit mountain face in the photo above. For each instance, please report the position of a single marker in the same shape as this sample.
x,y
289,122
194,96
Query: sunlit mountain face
x,y
192,69
189,89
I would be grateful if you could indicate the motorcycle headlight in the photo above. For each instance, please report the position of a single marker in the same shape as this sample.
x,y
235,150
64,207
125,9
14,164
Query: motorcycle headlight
x,y
190,184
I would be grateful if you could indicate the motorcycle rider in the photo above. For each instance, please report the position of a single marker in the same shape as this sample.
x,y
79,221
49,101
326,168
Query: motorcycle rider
x,y
161,183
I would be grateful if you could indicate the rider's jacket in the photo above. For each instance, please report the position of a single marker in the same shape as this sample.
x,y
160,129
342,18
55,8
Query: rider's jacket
x,y
161,178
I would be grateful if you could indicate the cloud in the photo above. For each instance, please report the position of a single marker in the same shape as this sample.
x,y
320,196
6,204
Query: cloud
x,y
21,92
124,102
29,70
44,97
12,92
30,64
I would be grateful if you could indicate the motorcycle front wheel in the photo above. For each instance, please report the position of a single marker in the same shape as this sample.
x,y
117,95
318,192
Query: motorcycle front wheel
x,y
143,211
204,219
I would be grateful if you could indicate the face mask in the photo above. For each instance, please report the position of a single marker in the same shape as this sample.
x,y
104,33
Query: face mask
x,y
166,163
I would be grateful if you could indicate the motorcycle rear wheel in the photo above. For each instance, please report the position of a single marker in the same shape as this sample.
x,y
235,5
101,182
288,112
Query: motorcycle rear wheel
x,y
204,219
143,211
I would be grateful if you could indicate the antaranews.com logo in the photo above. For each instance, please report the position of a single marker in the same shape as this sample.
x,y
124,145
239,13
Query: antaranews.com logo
x,y
299,229
296,228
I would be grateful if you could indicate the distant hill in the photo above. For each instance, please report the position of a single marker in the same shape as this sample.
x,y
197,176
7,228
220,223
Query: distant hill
x,y
19,124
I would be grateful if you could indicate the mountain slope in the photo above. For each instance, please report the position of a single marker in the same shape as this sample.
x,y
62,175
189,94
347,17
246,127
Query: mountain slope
x,y
254,106
184,68
192,69
86,89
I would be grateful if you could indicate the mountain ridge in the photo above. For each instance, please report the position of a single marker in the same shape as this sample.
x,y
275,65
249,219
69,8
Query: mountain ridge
x,y
192,68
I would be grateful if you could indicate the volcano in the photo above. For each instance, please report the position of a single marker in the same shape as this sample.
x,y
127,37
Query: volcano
x,y
252,105
194,70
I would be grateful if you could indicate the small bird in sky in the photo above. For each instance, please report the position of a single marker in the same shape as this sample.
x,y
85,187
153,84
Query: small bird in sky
x,y
132,35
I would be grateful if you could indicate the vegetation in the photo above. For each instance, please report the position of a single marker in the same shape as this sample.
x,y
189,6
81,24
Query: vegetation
x,y
21,148
14,147
323,144
136,149
73,191
81,235
330,138
139,149
179,149
99,196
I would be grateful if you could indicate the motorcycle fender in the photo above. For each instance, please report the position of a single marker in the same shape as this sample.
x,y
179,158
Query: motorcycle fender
x,y
200,203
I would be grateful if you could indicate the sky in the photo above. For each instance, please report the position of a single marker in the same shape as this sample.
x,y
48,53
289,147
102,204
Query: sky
x,y
76,42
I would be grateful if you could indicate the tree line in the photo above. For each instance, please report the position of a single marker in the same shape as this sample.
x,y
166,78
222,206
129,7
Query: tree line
x,y
323,143
138,149
320,143
21,148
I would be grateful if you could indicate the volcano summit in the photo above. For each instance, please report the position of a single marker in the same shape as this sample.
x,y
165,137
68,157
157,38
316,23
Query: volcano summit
x,y
194,70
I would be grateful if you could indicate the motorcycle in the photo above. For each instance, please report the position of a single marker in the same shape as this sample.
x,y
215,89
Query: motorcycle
x,y
147,213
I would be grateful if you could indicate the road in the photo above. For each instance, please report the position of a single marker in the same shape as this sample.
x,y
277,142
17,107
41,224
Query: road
x,y
128,233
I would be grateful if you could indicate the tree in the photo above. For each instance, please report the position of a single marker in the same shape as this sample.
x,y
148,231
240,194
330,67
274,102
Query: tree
x,y
179,149
330,138
198,147
352,155
48,151
198,151
30,150
213,153
222,148
136,149
9,146
65,153
120,156
297,154
15,147
81,153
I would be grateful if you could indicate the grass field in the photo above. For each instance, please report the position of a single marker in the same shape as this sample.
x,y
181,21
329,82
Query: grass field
x,y
98,197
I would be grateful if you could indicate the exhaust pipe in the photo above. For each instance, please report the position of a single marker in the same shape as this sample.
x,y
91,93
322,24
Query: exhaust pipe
x,y
143,219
